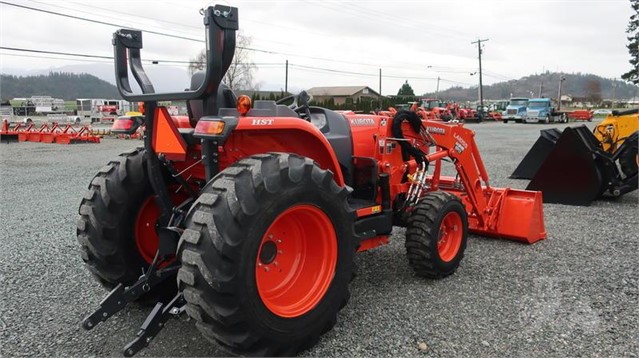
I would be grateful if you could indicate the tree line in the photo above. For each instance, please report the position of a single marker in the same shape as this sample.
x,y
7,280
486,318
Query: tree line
x,y
68,86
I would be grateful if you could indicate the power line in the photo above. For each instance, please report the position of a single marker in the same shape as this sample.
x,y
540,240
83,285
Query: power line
x,y
197,40
363,74
75,54
137,16
97,21
388,18
190,38
56,58
175,36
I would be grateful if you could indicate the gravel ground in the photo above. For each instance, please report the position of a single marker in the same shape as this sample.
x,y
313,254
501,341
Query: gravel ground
x,y
574,294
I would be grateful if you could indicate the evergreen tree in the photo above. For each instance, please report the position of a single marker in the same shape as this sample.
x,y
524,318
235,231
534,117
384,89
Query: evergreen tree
x,y
406,90
632,76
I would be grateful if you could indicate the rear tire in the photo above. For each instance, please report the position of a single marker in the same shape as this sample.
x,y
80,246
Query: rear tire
x,y
106,227
248,219
436,235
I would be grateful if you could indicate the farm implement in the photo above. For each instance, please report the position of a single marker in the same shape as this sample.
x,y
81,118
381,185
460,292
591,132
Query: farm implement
x,y
247,216
577,166
47,133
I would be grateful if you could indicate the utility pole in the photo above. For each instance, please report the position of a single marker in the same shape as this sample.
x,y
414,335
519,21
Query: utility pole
x,y
481,89
380,88
286,80
561,80
541,83
437,91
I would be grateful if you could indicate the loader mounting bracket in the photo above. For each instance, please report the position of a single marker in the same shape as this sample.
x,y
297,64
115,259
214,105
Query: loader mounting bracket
x,y
154,323
120,296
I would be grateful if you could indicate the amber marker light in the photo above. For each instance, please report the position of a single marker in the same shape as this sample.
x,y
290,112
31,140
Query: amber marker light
x,y
243,104
209,127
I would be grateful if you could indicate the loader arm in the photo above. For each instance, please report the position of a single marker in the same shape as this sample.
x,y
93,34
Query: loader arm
x,y
499,212
458,144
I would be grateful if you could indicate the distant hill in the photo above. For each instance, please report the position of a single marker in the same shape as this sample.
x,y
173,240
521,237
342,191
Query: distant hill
x,y
581,85
164,78
67,86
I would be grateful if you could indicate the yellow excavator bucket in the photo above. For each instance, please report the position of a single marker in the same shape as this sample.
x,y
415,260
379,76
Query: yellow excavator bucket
x,y
577,166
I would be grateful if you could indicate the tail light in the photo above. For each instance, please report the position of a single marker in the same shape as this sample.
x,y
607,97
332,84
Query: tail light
x,y
126,125
206,128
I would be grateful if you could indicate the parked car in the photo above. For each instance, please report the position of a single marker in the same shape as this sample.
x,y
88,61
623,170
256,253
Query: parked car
x,y
602,112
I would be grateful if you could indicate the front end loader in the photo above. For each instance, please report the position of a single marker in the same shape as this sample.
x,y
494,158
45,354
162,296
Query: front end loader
x,y
577,166
247,216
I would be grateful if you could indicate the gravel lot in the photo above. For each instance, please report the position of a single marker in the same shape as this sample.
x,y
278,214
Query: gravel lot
x,y
574,294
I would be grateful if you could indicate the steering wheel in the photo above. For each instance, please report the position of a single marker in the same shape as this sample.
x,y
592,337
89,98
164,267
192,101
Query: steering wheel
x,y
300,104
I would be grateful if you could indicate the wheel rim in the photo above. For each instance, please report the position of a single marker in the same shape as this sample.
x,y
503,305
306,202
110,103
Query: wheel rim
x,y
450,236
146,238
296,261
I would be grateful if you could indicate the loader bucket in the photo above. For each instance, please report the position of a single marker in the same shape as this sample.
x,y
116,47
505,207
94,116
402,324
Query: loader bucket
x,y
573,173
537,154
518,215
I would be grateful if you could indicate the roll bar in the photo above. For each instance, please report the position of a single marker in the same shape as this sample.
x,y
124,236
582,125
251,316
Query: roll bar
x,y
220,23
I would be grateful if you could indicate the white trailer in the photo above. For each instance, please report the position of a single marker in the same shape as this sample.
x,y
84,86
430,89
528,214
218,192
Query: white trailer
x,y
99,109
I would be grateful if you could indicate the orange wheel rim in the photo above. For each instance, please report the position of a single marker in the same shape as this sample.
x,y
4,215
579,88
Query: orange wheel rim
x,y
146,238
296,261
450,236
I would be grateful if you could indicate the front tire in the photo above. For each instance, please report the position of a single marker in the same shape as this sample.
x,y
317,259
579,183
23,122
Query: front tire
x,y
436,235
267,255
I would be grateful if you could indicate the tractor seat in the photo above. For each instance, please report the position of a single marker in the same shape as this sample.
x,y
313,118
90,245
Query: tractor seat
x,y
195,107
337,131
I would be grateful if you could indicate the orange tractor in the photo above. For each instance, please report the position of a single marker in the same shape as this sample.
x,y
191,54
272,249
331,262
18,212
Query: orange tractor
x,y
249,218
436,109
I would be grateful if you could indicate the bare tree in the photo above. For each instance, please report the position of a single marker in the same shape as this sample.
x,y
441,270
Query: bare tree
x,y
240,73
593,91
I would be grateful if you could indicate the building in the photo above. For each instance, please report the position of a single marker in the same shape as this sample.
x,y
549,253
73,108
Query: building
x,y
343,94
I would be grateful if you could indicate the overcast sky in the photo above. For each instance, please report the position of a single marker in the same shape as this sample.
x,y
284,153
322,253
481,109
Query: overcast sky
x,y
416,41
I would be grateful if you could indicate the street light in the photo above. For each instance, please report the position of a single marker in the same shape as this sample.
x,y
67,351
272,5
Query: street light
x,y
561,80
437,90
478,89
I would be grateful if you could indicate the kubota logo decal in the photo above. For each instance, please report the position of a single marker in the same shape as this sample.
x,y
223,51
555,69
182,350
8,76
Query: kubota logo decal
x,y
461,144
362,121
436,130
262,122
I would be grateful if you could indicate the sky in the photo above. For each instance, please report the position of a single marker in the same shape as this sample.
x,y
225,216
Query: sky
x,y
339,43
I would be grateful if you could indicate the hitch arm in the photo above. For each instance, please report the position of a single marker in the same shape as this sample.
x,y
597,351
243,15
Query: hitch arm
x,y
154,324
120,296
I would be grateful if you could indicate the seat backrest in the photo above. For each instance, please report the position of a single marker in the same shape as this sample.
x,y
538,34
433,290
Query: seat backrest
x,y
338,133
225,99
